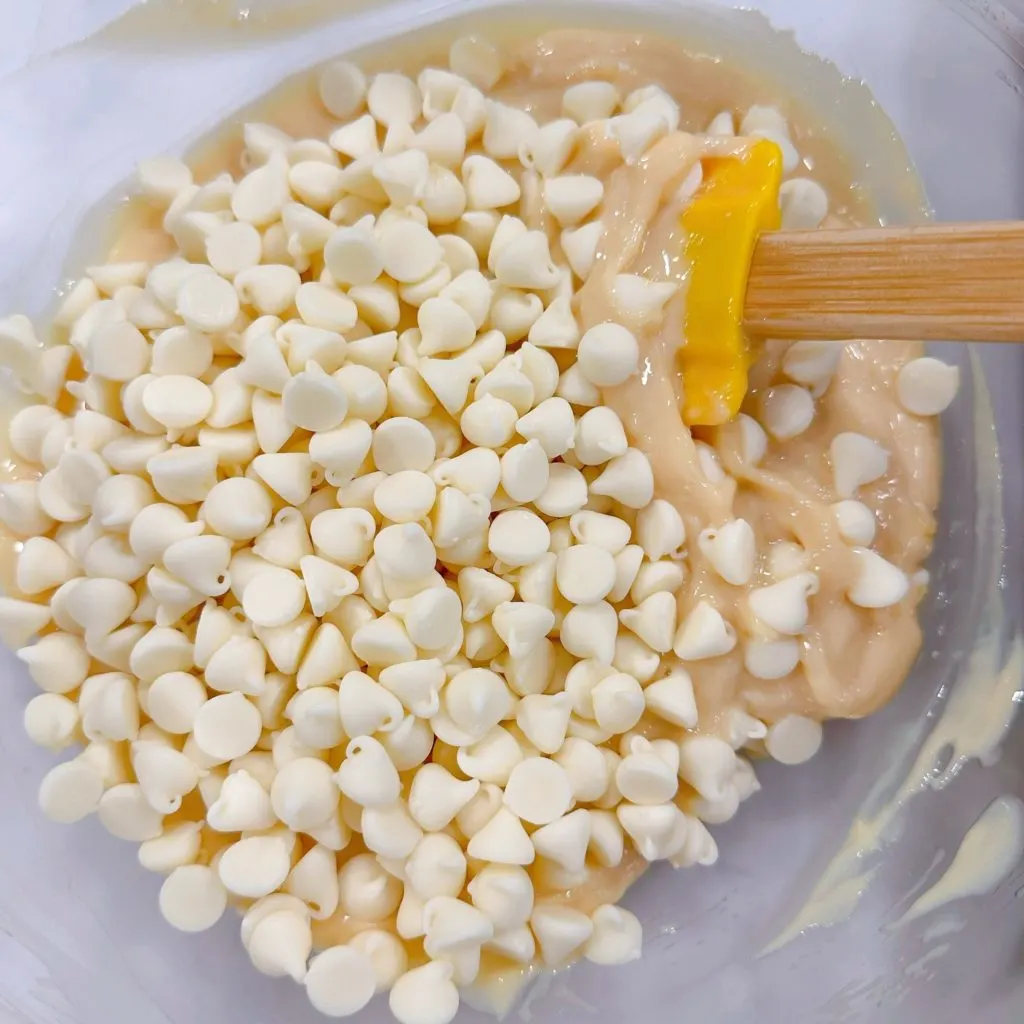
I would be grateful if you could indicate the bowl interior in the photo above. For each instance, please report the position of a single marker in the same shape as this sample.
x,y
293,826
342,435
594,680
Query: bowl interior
x,y
79,929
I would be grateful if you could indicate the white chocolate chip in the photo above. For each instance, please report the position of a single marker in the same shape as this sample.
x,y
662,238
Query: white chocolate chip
x,y
585,573
660,530
856,460
507,383
242,805
640,300
476,700
280,943
340,980
608,354
118,351
788,411
192,898
855,522
564,841
176,848
653,620
162,178
126,814
42,565
879,583
207,302
436,797
403,176
782,606
628,479
605,531
183,475
367,775
436,867
164,775
580,246
393,99
342,88
452,926
255,867
600,437
425,995
275,596
476,59
812,363
793,739
431,618
804,205
328,308
71,791
704,633
753,440
518,537
357,139
730,550
589,631
227,726
501,839
672,699
618,701
482,592
657,831
521,625
51,720
551,147
405,551
264,365
556,327
488,185
771,659
525,262
386,953
560,931
507,130
445,326
617,937
538,791
390,832
572,197
504,894
409,251
544,719
927,386
636,131
590,101
524,472
313,400
367,891
403,443
232,248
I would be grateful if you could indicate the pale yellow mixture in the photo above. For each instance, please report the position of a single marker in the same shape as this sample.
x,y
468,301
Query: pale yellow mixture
x,y
854,659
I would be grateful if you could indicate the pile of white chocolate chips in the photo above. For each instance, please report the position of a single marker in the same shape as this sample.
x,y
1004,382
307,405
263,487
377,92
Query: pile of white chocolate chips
x,y
357,597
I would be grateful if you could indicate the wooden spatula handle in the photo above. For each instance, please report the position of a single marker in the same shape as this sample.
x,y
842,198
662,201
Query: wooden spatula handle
x,y
956,282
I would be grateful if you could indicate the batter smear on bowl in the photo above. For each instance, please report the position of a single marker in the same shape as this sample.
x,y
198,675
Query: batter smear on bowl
x,y
379,589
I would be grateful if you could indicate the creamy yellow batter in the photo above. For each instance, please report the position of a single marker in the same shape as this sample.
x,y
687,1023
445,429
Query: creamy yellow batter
x,y
853,659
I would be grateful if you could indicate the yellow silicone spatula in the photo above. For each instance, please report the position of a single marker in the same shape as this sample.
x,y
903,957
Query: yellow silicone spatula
x,y
955,282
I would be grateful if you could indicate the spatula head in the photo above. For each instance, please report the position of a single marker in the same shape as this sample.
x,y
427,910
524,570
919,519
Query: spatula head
x,y
737,201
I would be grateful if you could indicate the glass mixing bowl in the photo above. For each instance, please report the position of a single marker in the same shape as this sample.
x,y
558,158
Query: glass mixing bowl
x,y
81,941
